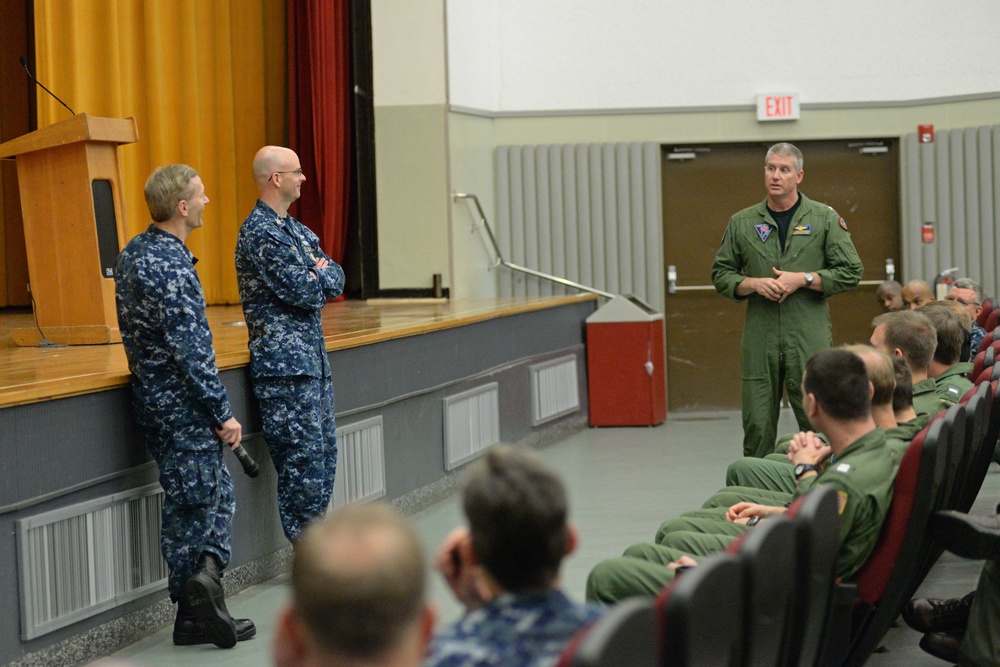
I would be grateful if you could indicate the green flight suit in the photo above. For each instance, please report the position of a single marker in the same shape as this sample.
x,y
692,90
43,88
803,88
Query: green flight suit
x,y
779,338
953,383
981,645
926,400
863,476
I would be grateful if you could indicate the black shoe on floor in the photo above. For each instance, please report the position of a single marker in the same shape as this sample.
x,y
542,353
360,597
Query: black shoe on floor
x,y
203,591
943,645
187,632
968,535
937,615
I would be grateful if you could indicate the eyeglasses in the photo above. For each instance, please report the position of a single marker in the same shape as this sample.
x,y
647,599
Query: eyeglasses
x,y
297,172
961,301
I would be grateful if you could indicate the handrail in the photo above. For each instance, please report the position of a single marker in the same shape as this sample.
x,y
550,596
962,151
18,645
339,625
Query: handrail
x,y
500,261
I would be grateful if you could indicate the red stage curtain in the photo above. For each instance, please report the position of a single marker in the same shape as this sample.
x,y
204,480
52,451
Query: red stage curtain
x,y
319,115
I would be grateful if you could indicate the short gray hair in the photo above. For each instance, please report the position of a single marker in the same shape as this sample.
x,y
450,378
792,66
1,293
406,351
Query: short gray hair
x,y
786,149
969,283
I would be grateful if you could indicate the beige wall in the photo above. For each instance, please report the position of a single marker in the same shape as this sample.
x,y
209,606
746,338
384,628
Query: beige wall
x,y
411,142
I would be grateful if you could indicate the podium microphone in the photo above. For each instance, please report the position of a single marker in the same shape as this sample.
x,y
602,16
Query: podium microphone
x,y
249,465
24,64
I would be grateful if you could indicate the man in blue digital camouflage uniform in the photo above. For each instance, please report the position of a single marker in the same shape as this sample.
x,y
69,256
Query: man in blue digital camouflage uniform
x,y
784,256
180,404
505,567
285,280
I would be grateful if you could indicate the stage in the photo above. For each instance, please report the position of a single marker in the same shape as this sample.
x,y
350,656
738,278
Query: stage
x,y
33,374
415,382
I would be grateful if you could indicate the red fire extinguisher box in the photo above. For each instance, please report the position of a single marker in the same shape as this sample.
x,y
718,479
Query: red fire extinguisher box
x,y
625,365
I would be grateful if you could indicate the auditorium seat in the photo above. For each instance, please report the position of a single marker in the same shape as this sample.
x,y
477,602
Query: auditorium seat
x,y
817,539
864,608
701,615
992,320
627,635
769,576
984,314
982,453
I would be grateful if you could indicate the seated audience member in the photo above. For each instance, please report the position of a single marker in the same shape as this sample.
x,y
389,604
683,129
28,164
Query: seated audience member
x,y
358,594
505,567
837,399
968,293
964,630
771,479
911,336
963,317
917,293
948,373
890,296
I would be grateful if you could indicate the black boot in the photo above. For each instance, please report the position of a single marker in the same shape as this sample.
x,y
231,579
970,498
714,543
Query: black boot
x,y
188,633
937,615
203,591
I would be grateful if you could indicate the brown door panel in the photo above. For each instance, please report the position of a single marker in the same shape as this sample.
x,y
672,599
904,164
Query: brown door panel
x,y
703,329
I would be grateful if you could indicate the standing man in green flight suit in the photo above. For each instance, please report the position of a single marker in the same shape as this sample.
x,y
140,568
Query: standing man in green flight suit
x,y
784,256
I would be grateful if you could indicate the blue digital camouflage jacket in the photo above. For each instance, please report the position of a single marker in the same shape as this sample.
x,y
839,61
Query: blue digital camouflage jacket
x,y
283,294
161,315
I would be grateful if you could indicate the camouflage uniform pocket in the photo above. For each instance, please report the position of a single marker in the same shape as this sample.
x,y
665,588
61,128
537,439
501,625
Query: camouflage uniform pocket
x,y
190,478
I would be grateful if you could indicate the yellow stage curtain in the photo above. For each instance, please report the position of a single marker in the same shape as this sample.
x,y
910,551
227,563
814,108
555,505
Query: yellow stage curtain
x,y
204,80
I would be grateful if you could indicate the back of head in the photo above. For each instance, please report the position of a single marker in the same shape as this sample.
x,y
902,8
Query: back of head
x,y
838,380
358,581
166,187
785,149
910,332
902,397
948,327
880,374
517,510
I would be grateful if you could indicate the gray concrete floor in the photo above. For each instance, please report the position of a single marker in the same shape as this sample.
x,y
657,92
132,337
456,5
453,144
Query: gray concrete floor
x,y
623,483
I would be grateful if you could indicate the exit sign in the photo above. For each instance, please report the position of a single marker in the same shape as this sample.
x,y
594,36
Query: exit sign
x,y
778,106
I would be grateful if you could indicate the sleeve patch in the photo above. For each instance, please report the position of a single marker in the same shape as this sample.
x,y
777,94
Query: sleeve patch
x,y
843,224
843,468
841,501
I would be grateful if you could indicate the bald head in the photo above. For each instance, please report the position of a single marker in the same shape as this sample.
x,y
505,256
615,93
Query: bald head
x,y
917,293
271,160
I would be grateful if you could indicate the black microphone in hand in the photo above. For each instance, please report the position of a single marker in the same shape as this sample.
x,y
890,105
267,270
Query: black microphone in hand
x,y
250,466
24,64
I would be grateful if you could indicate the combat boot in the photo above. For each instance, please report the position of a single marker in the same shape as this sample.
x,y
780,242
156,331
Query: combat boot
x,y
188,633
203,591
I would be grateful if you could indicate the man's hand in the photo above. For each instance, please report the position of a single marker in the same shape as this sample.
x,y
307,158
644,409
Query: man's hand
x,y
683,561
321,263
230,432
790,282
742,512
806,447
465,578
769,288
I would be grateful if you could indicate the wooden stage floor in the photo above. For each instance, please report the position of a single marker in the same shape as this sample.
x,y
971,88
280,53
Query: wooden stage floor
x,y
31,374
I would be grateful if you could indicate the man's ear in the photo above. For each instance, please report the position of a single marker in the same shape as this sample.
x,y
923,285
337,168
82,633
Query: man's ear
x,y
573,539
467,551
290,645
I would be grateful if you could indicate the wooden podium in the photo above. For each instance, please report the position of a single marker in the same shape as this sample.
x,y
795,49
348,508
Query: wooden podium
x,y
74,226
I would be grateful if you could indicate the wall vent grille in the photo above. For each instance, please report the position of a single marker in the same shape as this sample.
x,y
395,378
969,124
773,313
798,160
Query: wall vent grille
x,y
360,463
77,561
554,389
471,424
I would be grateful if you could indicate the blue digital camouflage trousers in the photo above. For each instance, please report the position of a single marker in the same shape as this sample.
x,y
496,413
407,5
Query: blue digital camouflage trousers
x,y
300,431
198,500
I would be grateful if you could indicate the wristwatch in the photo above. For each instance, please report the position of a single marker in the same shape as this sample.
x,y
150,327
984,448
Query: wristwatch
x,y
803,468
809,279
753,521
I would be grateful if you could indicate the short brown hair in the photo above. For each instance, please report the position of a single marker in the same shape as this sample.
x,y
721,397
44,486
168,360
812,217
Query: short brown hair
x,y
359,580
880,374
912,333
166,187
950,333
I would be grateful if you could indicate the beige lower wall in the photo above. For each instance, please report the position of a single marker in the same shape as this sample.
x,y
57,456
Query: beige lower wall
x,y
413,199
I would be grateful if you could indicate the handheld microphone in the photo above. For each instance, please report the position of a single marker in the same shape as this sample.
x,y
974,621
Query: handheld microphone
x,y
24,64
250,466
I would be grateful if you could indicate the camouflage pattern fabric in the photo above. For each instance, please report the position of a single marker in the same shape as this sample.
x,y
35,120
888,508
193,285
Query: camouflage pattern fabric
x,y
198,501
176,396
526,629
299,428
283,296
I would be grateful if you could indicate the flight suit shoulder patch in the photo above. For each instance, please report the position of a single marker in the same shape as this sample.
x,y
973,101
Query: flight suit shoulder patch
x,y
843,468
843,224
841,501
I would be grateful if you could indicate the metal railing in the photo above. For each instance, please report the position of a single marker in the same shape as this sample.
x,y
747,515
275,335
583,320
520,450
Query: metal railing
x,y
500,261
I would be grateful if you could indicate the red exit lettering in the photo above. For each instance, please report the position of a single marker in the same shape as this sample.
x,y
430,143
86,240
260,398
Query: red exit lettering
x,y
779,107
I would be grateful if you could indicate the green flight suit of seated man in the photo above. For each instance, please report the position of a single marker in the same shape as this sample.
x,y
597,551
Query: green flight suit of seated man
x,y
837,400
